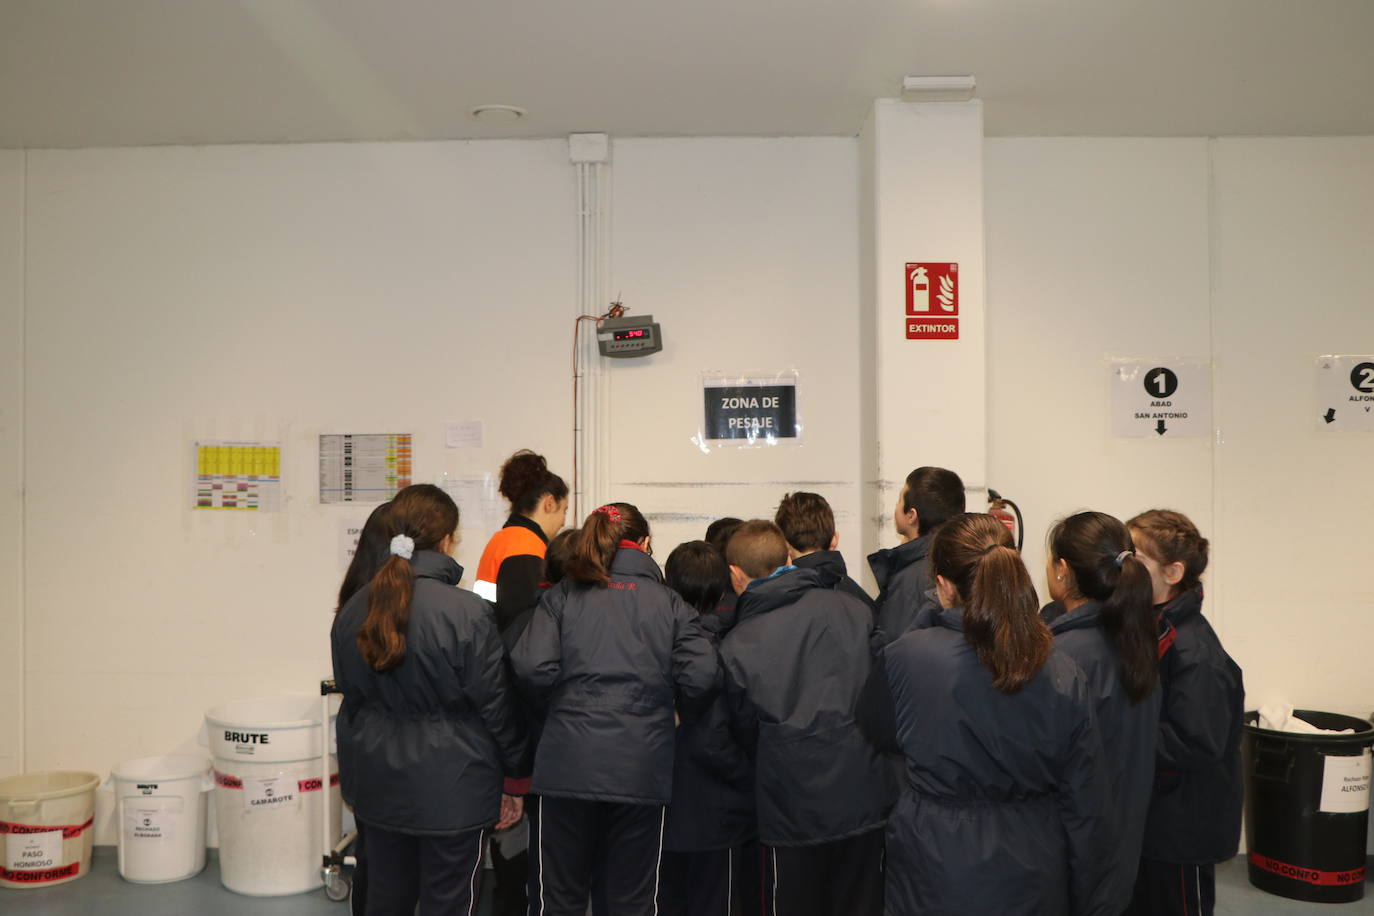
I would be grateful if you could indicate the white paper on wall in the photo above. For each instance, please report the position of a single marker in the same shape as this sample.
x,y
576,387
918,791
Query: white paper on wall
x,y
1161,398
481,510
1345,393
466,434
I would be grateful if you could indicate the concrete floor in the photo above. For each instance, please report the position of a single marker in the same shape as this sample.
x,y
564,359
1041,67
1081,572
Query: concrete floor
x,y
104,893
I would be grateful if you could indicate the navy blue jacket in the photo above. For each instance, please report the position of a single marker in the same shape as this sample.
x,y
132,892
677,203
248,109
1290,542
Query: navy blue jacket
x,y
1002,810
1128,746
713,778
423,747
795,665
904,581
1194,814
833,561
607,664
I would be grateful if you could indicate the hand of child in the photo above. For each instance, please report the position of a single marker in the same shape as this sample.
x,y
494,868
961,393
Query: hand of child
x,y
512,809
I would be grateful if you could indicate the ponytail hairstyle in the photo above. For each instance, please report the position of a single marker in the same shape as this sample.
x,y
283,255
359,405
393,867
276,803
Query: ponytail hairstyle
x,y
1098,549
425,514
1002,622
697,572
602,532
369,557
526,479
1173,538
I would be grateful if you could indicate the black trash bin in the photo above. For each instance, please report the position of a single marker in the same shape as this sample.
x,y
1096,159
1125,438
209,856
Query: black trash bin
x,y
1306,818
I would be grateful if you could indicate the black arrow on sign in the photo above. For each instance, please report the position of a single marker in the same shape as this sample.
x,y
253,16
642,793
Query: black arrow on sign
x,y
1160,427
1330,415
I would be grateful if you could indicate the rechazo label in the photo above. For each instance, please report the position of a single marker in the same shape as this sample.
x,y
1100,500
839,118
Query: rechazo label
x,y
1308,875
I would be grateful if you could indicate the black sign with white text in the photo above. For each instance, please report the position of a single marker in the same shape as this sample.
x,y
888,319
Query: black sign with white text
x,y
751,411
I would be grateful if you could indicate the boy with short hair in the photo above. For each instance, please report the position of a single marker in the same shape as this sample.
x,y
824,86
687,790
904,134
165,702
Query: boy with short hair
x,y
795,664
808,524
906,590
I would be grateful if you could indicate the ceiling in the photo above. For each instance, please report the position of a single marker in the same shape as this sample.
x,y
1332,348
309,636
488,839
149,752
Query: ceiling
x,y
143,72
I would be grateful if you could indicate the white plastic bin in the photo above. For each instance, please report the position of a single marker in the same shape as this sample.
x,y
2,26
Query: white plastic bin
x,y
269,793
46,825
160,814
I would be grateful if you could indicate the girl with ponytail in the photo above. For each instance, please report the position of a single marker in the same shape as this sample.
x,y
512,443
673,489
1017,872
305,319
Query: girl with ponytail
x,y
428,728
1194,815
1004,768
609,656
1108,628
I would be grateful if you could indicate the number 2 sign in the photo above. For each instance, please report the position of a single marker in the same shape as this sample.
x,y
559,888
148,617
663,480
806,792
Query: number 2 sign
x,y
1345,393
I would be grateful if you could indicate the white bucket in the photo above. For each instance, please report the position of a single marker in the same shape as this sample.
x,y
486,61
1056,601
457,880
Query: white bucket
x,y
269,796
46,822
160,813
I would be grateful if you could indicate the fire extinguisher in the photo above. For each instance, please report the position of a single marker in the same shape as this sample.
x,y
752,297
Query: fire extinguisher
x,y
997,508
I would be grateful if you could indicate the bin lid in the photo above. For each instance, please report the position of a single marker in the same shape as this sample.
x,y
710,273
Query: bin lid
x,y
1362,734
176,766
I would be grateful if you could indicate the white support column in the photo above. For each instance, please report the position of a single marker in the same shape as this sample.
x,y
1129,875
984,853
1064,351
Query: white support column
x,y
590,155
921,201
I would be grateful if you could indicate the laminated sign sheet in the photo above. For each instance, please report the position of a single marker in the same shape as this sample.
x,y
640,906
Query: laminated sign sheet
x,y
744,411
364,468
244,476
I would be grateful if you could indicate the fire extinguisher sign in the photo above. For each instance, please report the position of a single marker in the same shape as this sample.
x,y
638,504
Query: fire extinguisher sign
x,y
932,301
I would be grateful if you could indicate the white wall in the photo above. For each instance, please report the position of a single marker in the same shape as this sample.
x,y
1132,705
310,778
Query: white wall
x,y
1096,248
746,251
1250,252
274,293
1294,233
11,461
282,292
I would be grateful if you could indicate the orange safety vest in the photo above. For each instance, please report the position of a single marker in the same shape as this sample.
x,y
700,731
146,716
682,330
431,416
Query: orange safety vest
x,y
510,541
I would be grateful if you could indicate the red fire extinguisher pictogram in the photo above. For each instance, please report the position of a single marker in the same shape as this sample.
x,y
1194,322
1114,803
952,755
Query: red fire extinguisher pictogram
x,y
997,508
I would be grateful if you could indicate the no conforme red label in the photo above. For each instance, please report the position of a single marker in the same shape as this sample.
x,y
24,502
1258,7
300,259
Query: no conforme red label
x,y
1308,875
40,876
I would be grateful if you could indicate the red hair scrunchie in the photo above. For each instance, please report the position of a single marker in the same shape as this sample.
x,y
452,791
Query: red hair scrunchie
x,y
610,512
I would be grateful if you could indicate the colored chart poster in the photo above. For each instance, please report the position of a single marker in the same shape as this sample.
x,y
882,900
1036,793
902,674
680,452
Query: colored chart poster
x,y
367,468
245,476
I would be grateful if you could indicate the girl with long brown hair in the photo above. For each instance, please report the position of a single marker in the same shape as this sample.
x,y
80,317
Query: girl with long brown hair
x,y
1108,628
1002,811
608,655
1195,809
428,727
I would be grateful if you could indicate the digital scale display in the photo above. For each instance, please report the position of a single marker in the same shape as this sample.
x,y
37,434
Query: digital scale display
x,y
625,337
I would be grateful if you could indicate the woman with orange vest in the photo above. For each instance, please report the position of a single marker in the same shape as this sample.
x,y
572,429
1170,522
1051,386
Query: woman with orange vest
x,y
512,566
509,575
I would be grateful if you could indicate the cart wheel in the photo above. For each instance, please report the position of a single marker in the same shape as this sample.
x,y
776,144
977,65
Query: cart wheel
x,y
337,885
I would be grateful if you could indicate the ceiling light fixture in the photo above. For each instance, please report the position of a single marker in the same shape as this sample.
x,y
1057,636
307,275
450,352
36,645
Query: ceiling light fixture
x,y
938,88
496,113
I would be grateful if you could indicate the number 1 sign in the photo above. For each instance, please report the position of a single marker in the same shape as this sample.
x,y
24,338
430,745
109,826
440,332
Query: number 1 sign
x,y
1161,399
